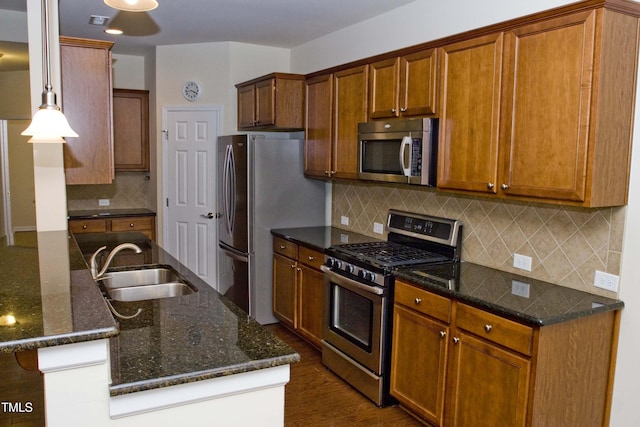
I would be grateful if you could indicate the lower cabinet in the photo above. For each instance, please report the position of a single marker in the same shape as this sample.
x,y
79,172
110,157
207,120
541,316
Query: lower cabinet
x,y
457,365
145,224
298,289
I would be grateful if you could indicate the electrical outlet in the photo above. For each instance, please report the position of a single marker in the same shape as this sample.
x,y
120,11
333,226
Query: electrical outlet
x,y
344,220
522,262
104,202
606,281
378,228
520,288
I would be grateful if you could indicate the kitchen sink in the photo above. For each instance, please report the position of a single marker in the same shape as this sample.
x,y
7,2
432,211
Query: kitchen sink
x,y
145,284
147,292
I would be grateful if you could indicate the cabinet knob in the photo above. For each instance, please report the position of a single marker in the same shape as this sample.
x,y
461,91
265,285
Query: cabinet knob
x,y
456,340
504,186
84,227
403,109
490,185
393,110
131,225
311,258
417,301
282,246
488,328
326,172
298,269
293,266
443,334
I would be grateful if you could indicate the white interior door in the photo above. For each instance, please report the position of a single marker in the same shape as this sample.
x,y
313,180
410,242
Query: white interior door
x,y
190,135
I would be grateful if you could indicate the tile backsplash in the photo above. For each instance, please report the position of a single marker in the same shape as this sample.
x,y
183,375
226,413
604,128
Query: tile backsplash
x,y
566,244
129,190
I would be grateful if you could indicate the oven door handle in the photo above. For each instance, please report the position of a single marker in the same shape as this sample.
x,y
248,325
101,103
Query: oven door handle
x,y
350,283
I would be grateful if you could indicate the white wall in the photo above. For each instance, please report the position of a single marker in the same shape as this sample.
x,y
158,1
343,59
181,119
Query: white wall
x,y
128,71
424,20
217,67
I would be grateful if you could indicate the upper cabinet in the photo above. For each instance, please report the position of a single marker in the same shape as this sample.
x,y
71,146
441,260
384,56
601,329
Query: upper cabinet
x,y
403,86
336,103
271,102
86,102
568,107
542,111
131,129
469,115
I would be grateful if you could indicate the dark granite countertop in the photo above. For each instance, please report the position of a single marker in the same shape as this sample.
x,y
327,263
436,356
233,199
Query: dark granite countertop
x,y
182,339
523,299
322,237
47,288
109,213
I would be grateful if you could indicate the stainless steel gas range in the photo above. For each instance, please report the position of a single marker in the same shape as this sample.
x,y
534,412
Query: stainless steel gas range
x,y
358,295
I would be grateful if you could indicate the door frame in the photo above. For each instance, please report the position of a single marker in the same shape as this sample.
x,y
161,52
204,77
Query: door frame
x,y
216,111
7,226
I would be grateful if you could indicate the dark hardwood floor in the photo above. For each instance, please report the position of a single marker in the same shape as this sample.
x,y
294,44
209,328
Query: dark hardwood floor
x,y
316,397
21,394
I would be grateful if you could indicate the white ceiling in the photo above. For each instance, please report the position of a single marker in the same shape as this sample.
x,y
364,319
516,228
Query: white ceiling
x,y
280,23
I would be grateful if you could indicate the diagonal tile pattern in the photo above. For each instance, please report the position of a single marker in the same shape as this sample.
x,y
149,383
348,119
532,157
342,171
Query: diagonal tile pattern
x,y
129,190
566,244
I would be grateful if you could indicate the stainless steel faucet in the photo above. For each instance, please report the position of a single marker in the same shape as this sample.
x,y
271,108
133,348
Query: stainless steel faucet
x,y
94,263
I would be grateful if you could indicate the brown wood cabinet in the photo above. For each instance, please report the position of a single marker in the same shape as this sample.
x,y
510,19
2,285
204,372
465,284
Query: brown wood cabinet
x,y
87,104
457,365
336,103
298,289
131,129
470,116
274,101
145,224
546,113
403,86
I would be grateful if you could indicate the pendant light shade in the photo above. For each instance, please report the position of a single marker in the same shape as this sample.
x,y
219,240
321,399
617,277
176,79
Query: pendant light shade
x,y
132,5
48,124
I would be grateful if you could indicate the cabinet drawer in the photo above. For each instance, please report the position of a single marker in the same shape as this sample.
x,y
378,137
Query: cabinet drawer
x,y
313,259
285,247
88,226
494,328
423,301
129,224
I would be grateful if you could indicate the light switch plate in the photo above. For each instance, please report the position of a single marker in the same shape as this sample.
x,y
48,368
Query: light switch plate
x,y
522,262
104,202
344,220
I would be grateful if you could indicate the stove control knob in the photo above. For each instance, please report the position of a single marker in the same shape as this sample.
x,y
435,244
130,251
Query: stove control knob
x,y
362,273
372,276
349,268
338,264
329,262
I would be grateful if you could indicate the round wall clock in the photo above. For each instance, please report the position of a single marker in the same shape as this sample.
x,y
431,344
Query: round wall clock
x,y
191,90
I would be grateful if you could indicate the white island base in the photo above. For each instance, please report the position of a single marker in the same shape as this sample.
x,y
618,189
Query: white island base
x,y
77,378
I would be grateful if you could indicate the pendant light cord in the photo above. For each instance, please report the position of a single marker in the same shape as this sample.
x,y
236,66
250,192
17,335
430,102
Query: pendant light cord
x,y
45,39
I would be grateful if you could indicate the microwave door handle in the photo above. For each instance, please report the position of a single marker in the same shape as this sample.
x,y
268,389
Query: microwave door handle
x,y
406,142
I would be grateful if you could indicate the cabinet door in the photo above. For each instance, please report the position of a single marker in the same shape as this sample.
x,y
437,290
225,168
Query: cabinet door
x,y
384,84
310,312
469,115
246,106
487,385
418,84
350,103
418,363
86,101
264,104
317,148
131,129
284,289
549,88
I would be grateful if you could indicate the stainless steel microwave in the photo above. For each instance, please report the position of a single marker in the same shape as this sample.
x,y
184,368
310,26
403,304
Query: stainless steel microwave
x,y
404,151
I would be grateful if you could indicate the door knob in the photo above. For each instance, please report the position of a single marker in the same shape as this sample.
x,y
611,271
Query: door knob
x,y
209,215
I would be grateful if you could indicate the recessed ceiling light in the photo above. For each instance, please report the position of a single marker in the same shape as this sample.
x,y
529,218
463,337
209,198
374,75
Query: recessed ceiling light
x,y
100,21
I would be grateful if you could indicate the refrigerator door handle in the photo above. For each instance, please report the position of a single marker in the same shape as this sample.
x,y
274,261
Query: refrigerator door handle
x,y
229,189
233,253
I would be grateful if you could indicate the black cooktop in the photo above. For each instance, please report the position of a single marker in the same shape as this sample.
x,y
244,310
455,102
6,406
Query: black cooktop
x,y
388,254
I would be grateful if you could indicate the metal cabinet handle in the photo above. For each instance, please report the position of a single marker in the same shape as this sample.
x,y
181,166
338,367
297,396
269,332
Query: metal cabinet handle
x,y
282,246
456,340
490,185
311,258
417,301
504,186
488,328
443,334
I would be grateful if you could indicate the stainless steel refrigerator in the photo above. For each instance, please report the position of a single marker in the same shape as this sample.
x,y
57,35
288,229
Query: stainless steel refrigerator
x,y
261,187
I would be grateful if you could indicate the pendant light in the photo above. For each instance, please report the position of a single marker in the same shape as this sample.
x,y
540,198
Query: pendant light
x,y
132,5
48,125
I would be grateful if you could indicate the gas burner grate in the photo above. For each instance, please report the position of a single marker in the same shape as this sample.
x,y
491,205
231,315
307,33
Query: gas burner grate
x,y
389,254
